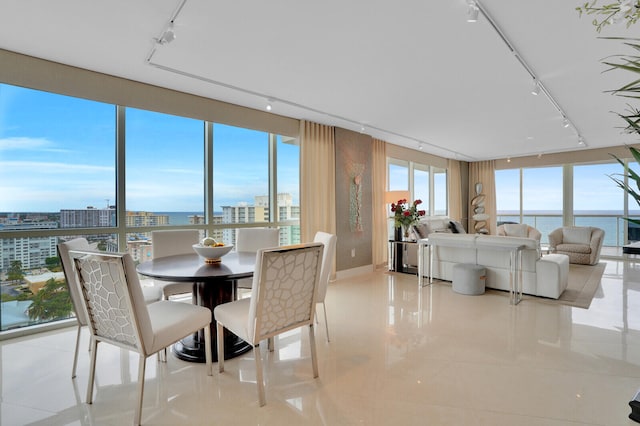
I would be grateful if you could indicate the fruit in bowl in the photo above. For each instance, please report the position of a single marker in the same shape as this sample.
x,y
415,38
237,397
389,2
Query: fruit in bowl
x,y
211,242
212,253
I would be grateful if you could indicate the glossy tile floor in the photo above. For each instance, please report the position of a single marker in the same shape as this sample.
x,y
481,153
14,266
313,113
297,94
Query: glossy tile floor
x,y
398,355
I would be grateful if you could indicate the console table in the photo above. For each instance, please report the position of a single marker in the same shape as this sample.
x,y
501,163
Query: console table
x,y
397,251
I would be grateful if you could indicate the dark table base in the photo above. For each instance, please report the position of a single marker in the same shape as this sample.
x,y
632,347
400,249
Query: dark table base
x,y
633,248
192,348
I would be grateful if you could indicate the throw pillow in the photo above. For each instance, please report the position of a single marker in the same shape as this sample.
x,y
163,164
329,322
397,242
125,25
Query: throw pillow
x,y
456,227
576,235
516,229
421,230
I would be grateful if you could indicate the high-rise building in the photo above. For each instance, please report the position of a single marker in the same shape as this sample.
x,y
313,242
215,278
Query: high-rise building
x,y
146,219
259,212
90,217
30,251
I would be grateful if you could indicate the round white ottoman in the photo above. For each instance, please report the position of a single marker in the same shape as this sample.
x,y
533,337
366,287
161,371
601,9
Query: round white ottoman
x,y
468,278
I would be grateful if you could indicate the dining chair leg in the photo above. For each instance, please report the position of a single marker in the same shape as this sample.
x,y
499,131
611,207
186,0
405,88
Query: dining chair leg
x,y
141,367
92,370
326,322
259,377
207,349
162,355
314,358
220,341
75,357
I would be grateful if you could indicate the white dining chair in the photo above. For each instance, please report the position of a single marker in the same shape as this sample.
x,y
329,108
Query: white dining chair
x,y
251,240
150,294
117,314
283,297
172,243
329,241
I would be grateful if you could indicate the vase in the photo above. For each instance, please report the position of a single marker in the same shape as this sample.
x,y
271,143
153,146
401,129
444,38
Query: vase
x,y
397,233
405,233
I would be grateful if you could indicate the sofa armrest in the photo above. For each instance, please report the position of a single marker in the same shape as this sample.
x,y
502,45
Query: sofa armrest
x,y
555,238
597,238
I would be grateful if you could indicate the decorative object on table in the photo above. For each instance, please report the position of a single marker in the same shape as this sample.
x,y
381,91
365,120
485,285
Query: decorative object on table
x,y
212,253
406,214
477,206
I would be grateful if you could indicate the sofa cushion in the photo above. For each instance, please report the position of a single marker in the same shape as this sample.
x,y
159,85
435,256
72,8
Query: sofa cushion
x,y
516,229
576,235
574,248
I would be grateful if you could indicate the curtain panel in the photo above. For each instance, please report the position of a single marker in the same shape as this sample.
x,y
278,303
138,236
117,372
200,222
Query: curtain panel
x,y
454,190
380,215
317,180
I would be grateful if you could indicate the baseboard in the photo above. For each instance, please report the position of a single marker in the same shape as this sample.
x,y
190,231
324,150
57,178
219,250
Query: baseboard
x,y
348,273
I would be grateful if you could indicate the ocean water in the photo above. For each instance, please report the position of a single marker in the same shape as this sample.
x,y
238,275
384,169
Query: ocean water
x,y
611,222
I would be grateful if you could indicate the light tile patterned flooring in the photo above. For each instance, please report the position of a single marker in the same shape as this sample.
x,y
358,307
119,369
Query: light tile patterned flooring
x,y
399,355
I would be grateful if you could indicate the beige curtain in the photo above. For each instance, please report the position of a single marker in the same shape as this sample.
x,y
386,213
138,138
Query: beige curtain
x,y
317,180
483,172
455,193
379,208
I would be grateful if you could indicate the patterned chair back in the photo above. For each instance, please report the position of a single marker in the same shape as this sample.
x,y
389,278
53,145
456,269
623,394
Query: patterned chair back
x,y
113,298
284,291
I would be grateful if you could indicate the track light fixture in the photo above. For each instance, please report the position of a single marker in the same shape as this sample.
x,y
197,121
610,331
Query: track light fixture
x,y
168,35
565,122
535,90
472,11
581,141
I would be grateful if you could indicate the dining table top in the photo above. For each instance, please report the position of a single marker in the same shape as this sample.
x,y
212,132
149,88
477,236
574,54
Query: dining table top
x,y
192,268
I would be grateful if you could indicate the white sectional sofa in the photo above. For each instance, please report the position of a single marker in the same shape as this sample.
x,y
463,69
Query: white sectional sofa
x,y
545,276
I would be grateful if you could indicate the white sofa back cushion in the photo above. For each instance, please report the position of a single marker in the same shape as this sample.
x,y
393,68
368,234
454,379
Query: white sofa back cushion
x,y
576,235
517,229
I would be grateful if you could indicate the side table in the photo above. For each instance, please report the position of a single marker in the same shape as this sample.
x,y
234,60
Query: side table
x,y
397,256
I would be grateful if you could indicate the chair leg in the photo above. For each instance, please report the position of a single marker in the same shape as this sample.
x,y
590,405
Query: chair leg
x,y
220,341
141,367
92,369
314,358
207,349
75,357
326,322
162,355
259,377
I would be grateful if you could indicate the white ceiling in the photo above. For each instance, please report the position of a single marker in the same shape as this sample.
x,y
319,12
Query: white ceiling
x,y
409,72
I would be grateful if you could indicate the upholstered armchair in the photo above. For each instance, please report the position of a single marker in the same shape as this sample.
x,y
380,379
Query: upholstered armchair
x,y
518,230
581,243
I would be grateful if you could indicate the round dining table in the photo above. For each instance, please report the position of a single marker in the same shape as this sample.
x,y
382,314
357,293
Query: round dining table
x,y
213,284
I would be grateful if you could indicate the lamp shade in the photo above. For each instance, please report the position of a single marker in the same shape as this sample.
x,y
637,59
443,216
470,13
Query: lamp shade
x,y
394,196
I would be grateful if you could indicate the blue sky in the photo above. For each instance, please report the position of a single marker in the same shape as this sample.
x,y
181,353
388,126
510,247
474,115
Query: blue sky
x,y
58,152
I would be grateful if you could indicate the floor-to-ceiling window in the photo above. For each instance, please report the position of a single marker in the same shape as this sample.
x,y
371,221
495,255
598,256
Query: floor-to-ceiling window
x,y
72,167
424,182
578,194
598,202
